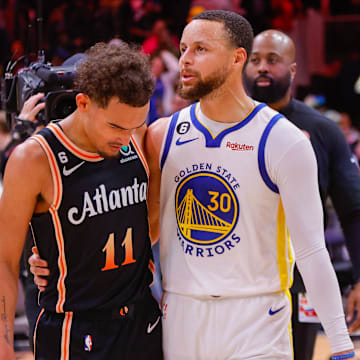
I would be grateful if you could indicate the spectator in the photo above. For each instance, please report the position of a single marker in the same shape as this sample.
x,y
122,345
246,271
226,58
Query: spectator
x,y
350,132
112,20
5,53
269,75
165,72
161,39
143,17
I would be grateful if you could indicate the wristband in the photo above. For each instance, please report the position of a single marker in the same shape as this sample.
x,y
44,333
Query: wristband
x,y
20,119
343,356
23,122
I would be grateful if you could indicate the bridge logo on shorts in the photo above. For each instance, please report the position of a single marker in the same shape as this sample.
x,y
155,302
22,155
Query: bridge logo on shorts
x,y
207,211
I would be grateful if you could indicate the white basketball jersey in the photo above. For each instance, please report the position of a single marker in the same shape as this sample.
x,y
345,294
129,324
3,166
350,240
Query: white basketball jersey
x,y
223,228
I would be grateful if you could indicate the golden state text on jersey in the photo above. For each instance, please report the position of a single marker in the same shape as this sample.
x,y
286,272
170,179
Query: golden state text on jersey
x,y
207,210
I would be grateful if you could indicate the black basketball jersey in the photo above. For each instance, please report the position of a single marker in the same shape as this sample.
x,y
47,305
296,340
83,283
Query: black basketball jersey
x,y
95,234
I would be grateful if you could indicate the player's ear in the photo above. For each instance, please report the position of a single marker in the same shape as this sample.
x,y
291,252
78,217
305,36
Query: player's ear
x,y
293,70
82,102
240,56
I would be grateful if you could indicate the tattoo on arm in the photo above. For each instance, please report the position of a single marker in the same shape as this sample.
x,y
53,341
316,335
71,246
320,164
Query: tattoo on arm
x,y
5,320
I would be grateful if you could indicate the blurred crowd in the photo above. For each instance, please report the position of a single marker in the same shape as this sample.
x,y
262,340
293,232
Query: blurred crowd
x,y
72,26
63,28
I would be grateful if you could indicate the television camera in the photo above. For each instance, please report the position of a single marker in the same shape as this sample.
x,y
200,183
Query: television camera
x,y
56,82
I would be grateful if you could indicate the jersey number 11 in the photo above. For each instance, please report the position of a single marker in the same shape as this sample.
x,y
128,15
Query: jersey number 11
x,y
109,250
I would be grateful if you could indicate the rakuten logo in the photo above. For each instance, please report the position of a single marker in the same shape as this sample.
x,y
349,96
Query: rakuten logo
x,y
239,147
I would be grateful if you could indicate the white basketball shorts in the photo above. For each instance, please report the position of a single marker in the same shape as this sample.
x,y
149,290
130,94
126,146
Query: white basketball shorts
x,y
227,328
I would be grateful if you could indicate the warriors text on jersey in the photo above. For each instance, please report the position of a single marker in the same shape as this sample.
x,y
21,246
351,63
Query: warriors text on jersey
x,y
95,234
223,228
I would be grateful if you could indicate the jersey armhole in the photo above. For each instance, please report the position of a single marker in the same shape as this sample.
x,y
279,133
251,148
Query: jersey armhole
x,y
55,171
169,136
261,154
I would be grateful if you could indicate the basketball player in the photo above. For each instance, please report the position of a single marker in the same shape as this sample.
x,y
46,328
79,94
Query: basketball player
x,y
236,179
230,183
268,76
82,184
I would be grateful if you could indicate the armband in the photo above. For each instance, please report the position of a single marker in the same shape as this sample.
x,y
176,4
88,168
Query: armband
x,y
343,356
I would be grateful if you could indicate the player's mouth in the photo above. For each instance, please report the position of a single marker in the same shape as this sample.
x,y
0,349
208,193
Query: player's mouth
x,y
187,77
263,81
115,147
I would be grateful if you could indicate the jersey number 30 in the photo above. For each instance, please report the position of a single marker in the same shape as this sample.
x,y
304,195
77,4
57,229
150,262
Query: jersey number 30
x,y
109,250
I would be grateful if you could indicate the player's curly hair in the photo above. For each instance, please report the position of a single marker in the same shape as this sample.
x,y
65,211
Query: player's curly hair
x,y
120,71
238,28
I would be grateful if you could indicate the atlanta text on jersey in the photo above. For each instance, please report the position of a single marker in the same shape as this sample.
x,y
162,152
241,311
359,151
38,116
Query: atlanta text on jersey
x,y
105,201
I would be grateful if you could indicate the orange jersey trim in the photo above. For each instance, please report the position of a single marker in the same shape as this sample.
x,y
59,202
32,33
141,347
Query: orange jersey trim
x,y
142,157
151,267
54,170
61,260
56,222
36,326
65,336
72,147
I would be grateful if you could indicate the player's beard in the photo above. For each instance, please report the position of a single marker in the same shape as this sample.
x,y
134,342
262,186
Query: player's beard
x,y
108,156
268,94
203,87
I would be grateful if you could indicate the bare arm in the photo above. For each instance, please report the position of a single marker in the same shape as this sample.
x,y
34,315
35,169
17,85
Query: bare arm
x,y
153,141
22,187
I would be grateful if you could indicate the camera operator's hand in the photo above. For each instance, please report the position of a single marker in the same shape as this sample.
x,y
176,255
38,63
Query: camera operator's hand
x,y
31,107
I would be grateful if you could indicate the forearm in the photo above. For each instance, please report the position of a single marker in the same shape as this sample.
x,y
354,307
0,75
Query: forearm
x,y
154,225
296,178
324,293
8,297
153,202
153,141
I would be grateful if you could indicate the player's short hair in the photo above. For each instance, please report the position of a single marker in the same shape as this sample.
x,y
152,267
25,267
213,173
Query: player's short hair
x,y
120,71
238,28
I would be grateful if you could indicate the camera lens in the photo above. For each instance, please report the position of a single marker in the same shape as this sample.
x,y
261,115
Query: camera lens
x,y
60,104
64,107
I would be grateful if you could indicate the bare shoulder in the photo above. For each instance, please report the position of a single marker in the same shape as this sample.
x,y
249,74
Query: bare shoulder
x,y
153,140
28,153
23,185
156,130
27,164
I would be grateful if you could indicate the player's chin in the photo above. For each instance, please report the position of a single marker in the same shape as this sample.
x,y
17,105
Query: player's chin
x,y
186,92
112,153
